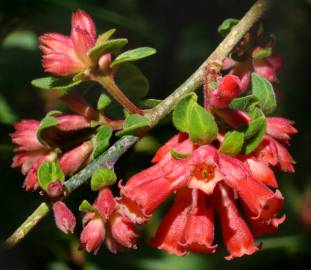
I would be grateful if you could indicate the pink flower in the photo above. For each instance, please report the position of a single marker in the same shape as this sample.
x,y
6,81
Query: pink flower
x,y
280,128
108,225
93,235
71,122
74,159
64,218
26,136
65,56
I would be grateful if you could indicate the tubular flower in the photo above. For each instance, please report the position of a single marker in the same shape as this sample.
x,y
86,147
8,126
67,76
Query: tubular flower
x,y
108,225
237,236
188,226
67,55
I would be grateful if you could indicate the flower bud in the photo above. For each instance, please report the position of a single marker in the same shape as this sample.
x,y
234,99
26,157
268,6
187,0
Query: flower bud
x,y
64,218
72,161
55,190
104,62
93,235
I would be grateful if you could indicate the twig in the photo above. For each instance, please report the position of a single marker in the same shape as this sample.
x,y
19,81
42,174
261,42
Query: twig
x,y
27,225
155,114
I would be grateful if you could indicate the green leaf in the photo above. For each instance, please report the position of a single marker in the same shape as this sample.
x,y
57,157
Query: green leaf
x,y
263,90
101,140
233,143
133,55
6,114
132,81
177,155
202,127
102,177
103,102
226,26
262,53
182,112
55,83
255,131
243,103
133,123
85,207
105,36
47,122
257,123
49,172
108,46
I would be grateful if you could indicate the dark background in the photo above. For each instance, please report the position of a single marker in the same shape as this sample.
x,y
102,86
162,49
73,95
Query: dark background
x,y
184,33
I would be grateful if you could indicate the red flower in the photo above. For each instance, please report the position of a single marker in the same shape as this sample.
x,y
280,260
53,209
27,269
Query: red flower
x,y
188,226
228,88
237,236
63,55
108,225
147,190
64,218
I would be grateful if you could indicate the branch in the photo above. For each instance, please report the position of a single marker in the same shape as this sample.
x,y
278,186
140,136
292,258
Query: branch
x,y
108,158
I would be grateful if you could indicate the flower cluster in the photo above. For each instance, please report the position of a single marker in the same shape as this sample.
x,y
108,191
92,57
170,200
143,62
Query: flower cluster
x,y
209,182
220,162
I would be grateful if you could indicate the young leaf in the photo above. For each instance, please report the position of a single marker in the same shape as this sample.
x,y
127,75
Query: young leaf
x,y
177,155
103,102
55,83
226,26
85,207
263,90
182,112
132,81
133,55
133,123
202,127
105,36
257,123
243,103
102,177
108,46
101,140
47,122
49,172
233,142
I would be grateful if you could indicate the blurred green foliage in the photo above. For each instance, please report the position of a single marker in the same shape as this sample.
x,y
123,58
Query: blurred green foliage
x,y
184,33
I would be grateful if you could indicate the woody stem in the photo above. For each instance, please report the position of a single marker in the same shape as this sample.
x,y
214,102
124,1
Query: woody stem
x,y
157,113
